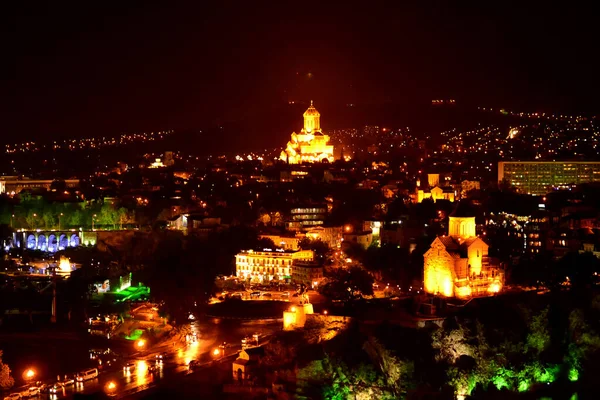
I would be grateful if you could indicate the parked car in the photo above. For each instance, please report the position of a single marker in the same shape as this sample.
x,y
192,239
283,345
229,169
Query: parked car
x,y
161,356
56,388
13,396
87,375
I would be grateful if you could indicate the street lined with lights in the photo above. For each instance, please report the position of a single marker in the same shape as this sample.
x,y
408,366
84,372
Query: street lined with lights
x,y
148,366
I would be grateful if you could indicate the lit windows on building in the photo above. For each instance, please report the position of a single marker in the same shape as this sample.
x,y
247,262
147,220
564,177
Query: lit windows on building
x,y
267,265
540,177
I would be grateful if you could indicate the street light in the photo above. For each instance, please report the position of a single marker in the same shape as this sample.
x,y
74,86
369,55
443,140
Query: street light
x,y
29,374
140,344
61,214
11,220
216,352
111,387
93,218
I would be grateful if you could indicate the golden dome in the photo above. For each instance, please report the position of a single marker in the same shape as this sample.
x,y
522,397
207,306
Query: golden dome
x,y
311,111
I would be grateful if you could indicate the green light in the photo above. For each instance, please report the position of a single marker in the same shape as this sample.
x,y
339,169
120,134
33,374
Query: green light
x,y
573,375
523,386
135,335
546,375
500,382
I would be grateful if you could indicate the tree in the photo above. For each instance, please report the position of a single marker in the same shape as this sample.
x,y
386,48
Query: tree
x,y
6,380
348,284
538,338
398,373
33,220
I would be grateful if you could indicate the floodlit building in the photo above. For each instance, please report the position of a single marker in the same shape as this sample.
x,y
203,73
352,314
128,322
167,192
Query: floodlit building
x,y
285,242
307,272
266,265
12,185
540,177
306,217
435,189
458,265
330,235
310,145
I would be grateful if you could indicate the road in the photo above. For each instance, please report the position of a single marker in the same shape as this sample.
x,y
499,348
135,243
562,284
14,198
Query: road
x,y
180,350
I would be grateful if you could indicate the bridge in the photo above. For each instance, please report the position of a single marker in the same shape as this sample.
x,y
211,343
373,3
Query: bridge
x,y
52,240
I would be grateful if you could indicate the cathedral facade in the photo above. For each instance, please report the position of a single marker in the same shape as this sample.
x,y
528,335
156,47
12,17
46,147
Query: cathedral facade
x,y
311,144
458,265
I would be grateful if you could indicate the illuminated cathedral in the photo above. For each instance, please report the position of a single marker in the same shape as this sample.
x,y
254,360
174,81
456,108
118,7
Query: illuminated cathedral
x,y
458,265
310,145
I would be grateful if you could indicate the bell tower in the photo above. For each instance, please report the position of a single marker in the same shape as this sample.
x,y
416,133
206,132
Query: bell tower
x,y
312,120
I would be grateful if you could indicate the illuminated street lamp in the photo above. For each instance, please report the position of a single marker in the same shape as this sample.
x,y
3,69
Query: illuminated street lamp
x,y
93,218
61,214
29,374
111,387
216,352
140,344
11,220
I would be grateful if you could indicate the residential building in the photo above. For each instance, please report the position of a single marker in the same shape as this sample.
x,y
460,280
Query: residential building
x,y
308,273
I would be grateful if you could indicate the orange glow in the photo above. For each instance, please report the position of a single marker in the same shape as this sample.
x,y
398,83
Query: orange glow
x,y
30,373
216,352
495,287
293,309
464,291
110,386
140,343
310,145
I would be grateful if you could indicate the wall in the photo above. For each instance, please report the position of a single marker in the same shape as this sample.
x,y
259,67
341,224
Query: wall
x,y
438,271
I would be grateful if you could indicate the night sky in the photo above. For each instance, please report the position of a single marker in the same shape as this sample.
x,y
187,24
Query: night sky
x,y
80,68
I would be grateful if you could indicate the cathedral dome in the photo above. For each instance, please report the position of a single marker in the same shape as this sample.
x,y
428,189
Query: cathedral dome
x,y
311,111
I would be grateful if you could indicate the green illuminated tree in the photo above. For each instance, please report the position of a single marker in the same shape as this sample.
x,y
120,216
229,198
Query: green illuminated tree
x,y
6,380
538,338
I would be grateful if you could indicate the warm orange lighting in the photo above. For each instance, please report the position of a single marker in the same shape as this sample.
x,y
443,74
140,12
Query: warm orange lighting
x,y
293,309
216,352
140,343
494,287
325,312
110,386
29,374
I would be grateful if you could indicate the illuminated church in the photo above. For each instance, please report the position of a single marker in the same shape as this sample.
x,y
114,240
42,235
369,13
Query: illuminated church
x,y
310,145
458,265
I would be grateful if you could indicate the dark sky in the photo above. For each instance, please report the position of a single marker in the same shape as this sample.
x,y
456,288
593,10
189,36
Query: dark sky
x,y
89,67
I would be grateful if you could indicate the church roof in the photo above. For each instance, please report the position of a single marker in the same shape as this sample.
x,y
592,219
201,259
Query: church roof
x,y
455,247
462,210
311,110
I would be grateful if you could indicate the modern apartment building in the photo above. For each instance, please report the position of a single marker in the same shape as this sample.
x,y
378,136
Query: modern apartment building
x,y
540,177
